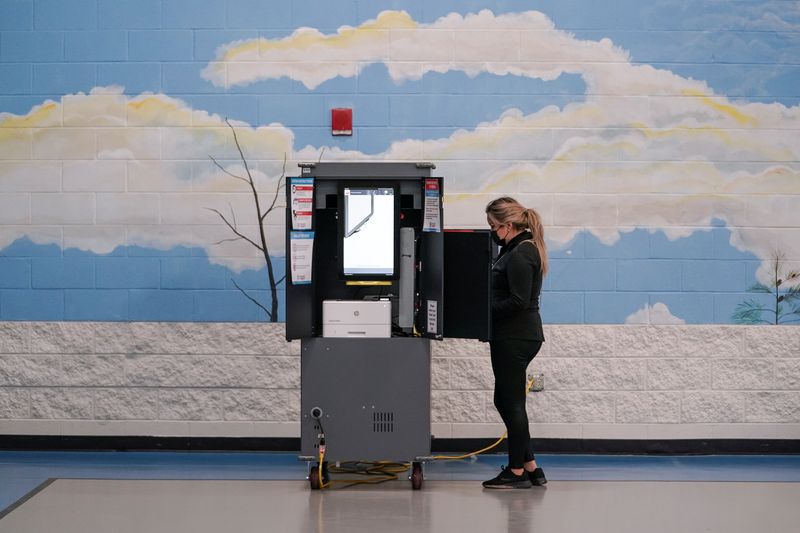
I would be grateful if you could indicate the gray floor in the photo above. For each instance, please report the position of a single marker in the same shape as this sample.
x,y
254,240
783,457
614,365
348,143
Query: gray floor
x,y
200,506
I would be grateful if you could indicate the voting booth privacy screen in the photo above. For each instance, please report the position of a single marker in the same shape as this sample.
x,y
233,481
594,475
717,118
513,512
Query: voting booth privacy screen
x,y
365,295
365,231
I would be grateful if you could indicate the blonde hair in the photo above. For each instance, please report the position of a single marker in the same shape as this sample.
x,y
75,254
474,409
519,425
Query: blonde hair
x,y
506,209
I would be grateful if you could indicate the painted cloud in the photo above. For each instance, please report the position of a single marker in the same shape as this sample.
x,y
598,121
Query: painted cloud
x,y
136,171
657,313
646,148
523,44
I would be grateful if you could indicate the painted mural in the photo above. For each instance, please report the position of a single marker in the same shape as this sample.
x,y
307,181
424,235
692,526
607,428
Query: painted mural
x,y
659,140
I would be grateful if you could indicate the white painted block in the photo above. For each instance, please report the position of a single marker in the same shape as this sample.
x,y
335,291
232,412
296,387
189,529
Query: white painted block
x,y
614,374
126,404
34,427
708,406
477,431
772,406
14,337
94,176
157,110
456,406
708,341
586,341
277,372
648,407
15,208
571,407
129,143
460,348
64,143
486,45
756,431
252,405
221,429
678,374
139,208
61,337
744,374
584,210
159,176
16,143
190,404
197,143
189,372
442,430
614,431
440,373
93,370
93,110
61,403
559,373
648,341
276,429
421,45
30,176
762,341
15,403
471,373
97,239
555,431
31,370
158,428
679,431
63,208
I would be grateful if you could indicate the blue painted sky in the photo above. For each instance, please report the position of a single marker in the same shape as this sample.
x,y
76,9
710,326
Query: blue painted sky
x,y
162,47
49,48
700,279
38,282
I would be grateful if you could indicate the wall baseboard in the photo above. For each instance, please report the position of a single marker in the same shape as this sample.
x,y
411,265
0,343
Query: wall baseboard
x,y
637,447
292,444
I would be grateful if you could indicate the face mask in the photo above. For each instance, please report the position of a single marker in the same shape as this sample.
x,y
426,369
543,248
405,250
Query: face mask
x,y
496,238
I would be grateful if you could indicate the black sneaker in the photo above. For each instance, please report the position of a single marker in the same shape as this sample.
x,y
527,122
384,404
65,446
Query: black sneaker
x,y
537,477
507,479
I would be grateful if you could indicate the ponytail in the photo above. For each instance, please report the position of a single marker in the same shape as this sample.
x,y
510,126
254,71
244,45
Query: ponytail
x,y
507,209
535,226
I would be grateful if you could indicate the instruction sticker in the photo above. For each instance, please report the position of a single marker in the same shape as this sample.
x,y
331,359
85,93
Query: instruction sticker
x,y
433,316
301,251
432,214
302,198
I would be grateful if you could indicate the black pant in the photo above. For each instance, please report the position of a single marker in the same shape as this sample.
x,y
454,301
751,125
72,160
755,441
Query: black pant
x,y
510,359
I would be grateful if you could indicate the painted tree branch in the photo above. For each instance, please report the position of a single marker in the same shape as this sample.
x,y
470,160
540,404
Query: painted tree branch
x,y
261,214
233,228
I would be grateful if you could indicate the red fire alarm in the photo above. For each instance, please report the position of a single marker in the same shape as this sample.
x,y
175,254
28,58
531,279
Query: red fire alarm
x,y
342,121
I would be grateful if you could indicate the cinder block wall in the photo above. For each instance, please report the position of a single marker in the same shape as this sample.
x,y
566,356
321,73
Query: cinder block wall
x,y
206,379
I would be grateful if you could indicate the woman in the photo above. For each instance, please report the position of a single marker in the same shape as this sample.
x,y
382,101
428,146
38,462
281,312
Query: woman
x,y
517,332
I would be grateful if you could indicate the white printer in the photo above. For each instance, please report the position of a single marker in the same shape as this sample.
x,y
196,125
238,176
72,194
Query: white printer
x,y
356,318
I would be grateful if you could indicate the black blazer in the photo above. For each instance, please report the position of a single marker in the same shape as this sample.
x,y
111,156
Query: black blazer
x,y
516,286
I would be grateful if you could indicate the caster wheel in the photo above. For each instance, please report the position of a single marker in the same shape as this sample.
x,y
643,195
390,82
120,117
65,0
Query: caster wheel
x,y
325,477
416,475
313,478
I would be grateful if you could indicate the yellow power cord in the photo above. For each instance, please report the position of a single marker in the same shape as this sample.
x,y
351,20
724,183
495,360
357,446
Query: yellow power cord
x,y
494,445
382,474
379,471
322,484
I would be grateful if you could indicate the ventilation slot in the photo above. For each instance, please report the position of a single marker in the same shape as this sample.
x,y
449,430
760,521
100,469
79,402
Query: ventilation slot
x,y
383,422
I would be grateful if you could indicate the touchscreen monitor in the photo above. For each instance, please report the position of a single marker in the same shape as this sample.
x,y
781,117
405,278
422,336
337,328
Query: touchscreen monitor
x,y
369,231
